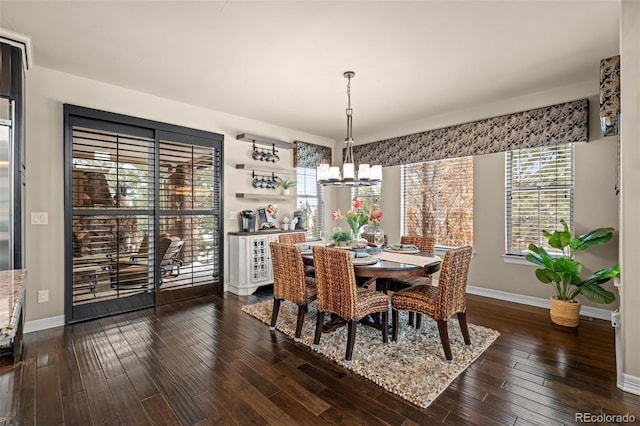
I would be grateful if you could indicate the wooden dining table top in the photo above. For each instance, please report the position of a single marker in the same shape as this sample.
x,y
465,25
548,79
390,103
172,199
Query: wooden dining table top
x,y
387,268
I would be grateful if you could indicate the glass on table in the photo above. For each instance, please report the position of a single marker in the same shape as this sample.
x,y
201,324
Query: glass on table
x,y
378,238
323,235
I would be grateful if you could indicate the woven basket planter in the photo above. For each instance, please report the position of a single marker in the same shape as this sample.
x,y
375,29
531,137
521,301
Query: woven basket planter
x,y
564,313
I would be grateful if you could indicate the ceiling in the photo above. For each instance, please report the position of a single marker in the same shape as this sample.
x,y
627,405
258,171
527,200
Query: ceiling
x,y
282,62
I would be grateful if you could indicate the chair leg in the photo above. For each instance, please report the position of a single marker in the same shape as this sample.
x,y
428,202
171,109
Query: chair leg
x,y
411,315
418,320
385,326
319,324
444,338
274,314
394,320
302,309
351,339
462,319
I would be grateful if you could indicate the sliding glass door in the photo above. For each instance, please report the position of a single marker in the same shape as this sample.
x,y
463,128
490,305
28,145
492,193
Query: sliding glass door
x,y
189,215
143,207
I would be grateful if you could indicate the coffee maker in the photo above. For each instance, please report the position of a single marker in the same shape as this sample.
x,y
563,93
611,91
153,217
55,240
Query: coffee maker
x,y
300,225
248,220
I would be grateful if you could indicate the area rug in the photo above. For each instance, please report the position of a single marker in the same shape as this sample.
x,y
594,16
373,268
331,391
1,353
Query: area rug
x,y
413,367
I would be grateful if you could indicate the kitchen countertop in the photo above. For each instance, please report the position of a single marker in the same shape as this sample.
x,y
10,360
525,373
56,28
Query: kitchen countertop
x,y
11,295
266,231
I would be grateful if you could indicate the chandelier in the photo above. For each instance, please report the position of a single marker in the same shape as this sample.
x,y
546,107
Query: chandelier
x,y
367,175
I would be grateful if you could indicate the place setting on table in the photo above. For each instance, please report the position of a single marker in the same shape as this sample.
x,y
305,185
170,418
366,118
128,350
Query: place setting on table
x,y
373,260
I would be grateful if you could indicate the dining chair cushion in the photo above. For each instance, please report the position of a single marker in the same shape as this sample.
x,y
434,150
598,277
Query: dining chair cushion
x,y
419,298
310,290
369,301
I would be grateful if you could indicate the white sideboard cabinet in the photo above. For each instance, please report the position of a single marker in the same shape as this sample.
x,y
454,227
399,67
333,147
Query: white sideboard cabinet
x,y
250,260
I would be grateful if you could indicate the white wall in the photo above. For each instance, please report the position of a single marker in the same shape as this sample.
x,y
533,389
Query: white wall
x,y
630,178
47,91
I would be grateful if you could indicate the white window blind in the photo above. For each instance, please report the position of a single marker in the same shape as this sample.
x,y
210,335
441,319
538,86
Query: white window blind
x,y
309,199
437,200
539,192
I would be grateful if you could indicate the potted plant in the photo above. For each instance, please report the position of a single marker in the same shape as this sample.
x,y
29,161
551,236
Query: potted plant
x,y
564,272
357,218
286,184
341,238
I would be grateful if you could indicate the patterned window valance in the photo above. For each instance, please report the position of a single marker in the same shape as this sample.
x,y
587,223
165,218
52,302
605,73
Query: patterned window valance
x,y
609,95
551,125
310,155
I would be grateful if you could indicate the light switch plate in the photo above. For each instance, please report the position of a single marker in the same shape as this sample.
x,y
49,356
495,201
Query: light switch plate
x,y
43,296
39,218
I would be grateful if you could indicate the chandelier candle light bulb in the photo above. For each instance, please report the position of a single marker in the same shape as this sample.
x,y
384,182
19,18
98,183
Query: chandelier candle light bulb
x,y
367,175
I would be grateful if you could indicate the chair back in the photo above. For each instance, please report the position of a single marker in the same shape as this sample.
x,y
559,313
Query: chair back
x,y
171,253
335,281
293,238
452,284
424,244
144,245
288,272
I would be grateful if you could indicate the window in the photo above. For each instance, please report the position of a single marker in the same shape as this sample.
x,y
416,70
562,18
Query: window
x,y
437,200
539,192
370,196
309,199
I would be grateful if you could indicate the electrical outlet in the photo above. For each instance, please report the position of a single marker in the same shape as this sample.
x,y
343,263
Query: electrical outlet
x,y
43,296
39,218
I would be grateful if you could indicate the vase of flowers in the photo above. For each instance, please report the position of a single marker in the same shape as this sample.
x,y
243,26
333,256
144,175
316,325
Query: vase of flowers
x,y
357,219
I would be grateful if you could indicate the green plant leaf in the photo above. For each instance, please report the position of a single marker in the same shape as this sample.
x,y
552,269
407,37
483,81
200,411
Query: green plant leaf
x,y
535,258
560,239
601,276
593,238
597,294
546,276
567,266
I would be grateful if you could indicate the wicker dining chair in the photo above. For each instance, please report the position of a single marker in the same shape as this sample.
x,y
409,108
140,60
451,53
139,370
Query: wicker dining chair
x,y
440,302
293,238
338,294
290,282
296,238
424,244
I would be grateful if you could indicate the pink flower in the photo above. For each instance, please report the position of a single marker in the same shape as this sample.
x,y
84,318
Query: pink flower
x,y
356,204
375,216
335,215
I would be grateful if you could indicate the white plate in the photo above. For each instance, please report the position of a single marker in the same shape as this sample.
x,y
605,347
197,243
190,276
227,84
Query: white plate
x,y
404,251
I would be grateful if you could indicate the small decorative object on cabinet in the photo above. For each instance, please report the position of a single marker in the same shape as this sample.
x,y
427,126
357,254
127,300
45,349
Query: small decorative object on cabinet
x,y
286,184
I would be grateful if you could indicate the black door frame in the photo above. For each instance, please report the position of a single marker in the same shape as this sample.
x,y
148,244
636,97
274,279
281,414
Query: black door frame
x,y
74,115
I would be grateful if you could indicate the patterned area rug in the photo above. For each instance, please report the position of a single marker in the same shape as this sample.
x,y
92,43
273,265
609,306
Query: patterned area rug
x,y
413,367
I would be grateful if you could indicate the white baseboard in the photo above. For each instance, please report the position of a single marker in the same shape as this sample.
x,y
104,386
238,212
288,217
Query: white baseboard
x,y
43,324
629,383
539,302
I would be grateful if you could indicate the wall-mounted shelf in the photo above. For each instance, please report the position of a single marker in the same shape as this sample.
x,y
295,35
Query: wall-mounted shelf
x,y
265,169
247,137
250,196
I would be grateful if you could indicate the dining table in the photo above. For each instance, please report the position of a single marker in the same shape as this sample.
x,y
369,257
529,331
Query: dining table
x,y
383,269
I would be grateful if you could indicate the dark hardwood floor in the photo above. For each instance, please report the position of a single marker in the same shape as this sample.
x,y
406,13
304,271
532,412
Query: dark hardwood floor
x,y
204,361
